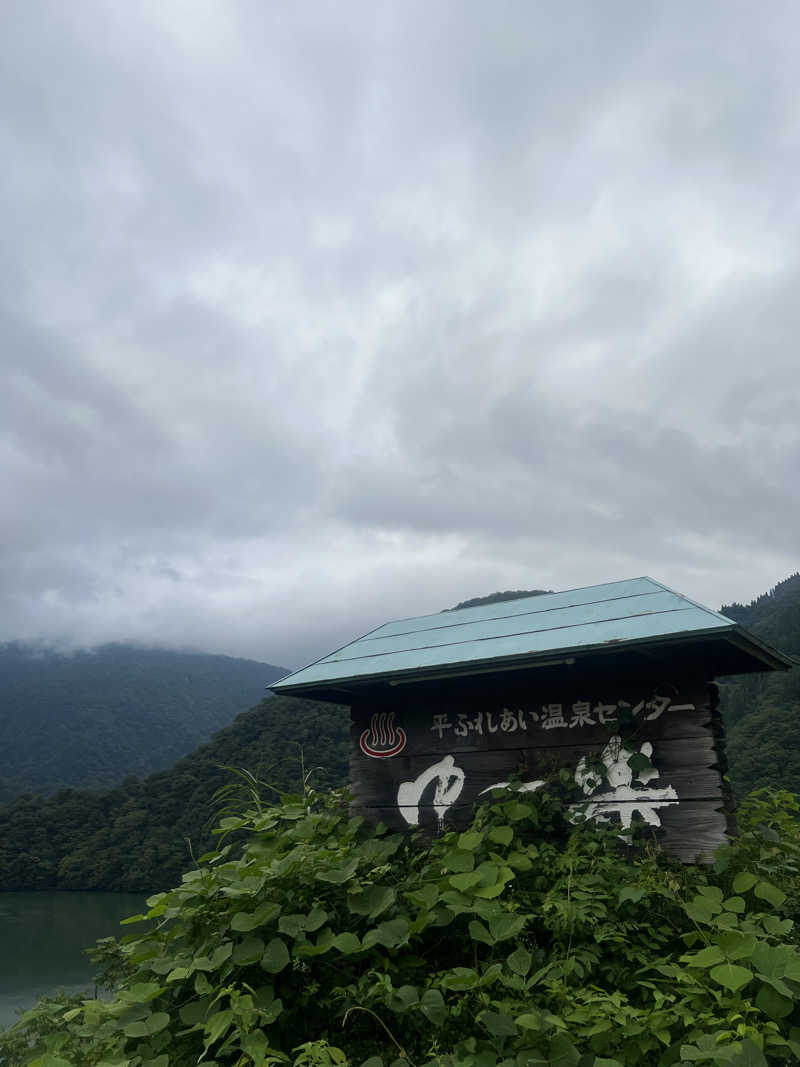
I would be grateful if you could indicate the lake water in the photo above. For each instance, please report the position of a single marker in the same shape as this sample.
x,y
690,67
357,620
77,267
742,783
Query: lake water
x,y
42,938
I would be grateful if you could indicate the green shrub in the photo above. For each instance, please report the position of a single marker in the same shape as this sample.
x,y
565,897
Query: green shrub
x,y
523,941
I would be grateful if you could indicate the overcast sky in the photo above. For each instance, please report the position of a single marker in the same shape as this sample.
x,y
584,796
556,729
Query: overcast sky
x,y
316,315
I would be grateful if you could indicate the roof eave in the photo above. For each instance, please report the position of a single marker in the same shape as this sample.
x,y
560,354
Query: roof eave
x,y
735,635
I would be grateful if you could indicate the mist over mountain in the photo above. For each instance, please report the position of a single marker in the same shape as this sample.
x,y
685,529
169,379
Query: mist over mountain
x,y
142,833
91,718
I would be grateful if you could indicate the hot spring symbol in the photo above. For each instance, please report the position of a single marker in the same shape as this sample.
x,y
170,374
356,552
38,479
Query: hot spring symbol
x,y
383,739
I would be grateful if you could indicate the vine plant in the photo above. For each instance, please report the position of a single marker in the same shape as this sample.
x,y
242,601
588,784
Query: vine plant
x,y
525,941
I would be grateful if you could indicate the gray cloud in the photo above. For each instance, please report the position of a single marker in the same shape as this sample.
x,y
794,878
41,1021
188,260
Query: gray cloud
x,y
317,317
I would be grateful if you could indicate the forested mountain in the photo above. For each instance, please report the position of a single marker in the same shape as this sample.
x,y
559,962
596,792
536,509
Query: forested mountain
x,y
138,836
142,834
89,719
762,711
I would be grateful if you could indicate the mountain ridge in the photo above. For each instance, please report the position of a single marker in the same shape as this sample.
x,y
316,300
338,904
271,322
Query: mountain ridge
x,y
93,717
143,833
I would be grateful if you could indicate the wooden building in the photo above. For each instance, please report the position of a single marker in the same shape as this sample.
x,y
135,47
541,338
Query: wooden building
x,y
614,681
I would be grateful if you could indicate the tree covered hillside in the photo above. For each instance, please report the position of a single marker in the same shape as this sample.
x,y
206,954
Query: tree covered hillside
x,y
144,833
138,835
762,711
89,719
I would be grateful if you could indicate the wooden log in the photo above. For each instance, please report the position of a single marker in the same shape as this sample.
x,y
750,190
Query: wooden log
x,y
688,765
689,831
444,725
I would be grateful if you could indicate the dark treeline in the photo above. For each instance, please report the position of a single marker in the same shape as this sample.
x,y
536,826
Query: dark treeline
x,y
762,711
89,719
143,834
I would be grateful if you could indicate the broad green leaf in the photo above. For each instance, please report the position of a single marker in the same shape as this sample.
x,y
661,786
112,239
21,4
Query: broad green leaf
x,y
460,978
749,1056
478,932
699,911
347,943
459,860
293,926
424,897
195,1011
498,1024
774,1004
371,901
390,934
488,872
713,894
157,1022
731,976
774,960
315,918
245,921
530,1020
152,1024
734,904
406,996
770,893
520,961
501,835
323,944
463,882
706,957
777,927
221,954
518,861
778,985
744,881
506,924
562,1052
735,945
217,1025
690,1053
490,892
275,957
470,840
515,810
630,892
248,951
140,992
272,1012
255,1045
433,1006
493,881
338,875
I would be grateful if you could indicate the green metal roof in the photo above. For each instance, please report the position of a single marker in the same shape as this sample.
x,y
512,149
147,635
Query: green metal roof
x,y
530,631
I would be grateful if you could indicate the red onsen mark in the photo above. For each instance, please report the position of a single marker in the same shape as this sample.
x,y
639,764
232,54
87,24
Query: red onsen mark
x,y
383,739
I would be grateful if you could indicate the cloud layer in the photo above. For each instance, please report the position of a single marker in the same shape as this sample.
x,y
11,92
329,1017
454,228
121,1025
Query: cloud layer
x,y
318,316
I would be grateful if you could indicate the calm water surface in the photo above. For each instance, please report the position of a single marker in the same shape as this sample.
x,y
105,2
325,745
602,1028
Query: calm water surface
x,y
42,938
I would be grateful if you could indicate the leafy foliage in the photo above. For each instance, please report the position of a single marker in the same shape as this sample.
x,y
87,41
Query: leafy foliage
x,y
523,941
89,719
